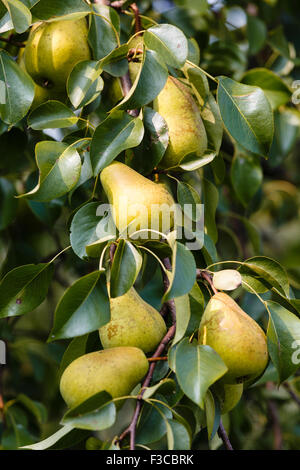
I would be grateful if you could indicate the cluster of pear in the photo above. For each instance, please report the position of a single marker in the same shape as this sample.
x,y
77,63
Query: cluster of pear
x,y
51,52
239,341
135,328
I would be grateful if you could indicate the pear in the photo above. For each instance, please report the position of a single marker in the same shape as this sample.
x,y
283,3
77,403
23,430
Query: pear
x,y
53,49
187,134
116,371
228,394
137,201
236,337
133,323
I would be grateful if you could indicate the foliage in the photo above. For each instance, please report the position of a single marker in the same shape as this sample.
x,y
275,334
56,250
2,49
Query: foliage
x,y
59,257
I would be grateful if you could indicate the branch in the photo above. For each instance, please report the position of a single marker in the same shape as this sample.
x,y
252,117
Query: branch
x,y
201,273
224,436
138,25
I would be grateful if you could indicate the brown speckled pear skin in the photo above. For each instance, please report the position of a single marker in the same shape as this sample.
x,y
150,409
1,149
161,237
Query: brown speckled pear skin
x,y
135,199
228,394
187,134
53,49
133,323
236,337
116,371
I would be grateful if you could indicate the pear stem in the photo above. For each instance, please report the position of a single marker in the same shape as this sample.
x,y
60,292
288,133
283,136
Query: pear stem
x,y
224,436
136,11
155,359
205,275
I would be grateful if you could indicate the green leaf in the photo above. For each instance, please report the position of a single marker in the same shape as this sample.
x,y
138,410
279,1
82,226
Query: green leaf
x,y
116,133
76,348
178,436
198,81
257,34
8,203
183,273
16,90
20,15
103,31
213,415
246,175
85,217
125,268
83,308
24,288
152,424
278,41
148,84
169,42
59,166
154,144
52,114
56,9
192,162
51,440
264,274
34,407
93,414
211,198
197,368
183,313
84,83
287,123
277,92
186,194
247,115
212,121
283,340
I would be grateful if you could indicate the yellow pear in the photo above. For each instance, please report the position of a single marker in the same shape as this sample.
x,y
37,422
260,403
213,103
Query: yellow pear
x,y
136,200
53,49
236,337
187,134
116,371
41,93
228,394
133,323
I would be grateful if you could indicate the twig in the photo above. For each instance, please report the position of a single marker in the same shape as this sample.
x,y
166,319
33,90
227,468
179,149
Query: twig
x,y
224,436
131,430
112,250
135,9
155,359
205,275
292,393
126,87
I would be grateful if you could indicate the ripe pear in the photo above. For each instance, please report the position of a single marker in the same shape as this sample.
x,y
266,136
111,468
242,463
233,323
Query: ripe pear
x,y
133,323
187,134
228,394
136,200
236,337
53,49
116,371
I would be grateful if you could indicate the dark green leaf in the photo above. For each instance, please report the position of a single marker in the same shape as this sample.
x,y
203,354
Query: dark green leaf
x,y
52,114
169,42
125,268
246,175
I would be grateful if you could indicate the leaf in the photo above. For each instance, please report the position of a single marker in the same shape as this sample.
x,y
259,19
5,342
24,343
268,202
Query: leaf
x,y
85,217
20,15
267,273
204,368
59,166
126,265
58,10
84,83
148,84
116,133
24,288
154,144
93,414
76,348
166,385
83,308
283,340
192,162
103,31
247,115
183,273
34,407
152,424
183,313
187,195
178,436
8,203
257,34
51,440
52,114
227,279
211,199
16,90
169,42
213,415
277,92
246,175
278,41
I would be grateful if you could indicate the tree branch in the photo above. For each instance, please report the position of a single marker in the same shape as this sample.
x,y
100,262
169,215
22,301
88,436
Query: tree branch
x,y
224,436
